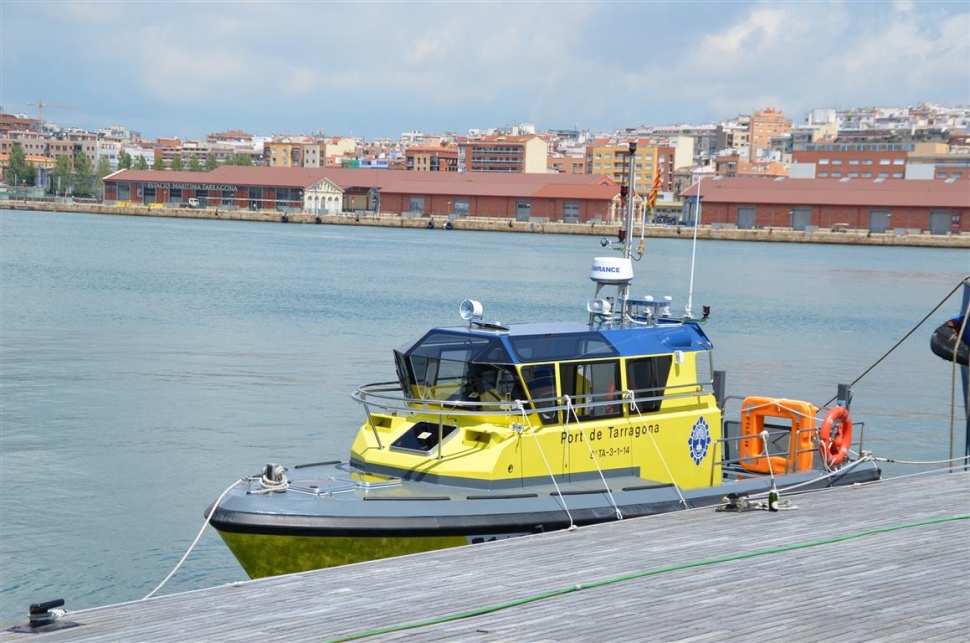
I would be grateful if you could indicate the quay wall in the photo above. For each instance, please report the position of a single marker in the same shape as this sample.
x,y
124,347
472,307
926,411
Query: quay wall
x,y
896,237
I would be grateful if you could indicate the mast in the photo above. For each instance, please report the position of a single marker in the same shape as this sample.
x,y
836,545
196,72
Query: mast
x,y
623,292
612,271
631,177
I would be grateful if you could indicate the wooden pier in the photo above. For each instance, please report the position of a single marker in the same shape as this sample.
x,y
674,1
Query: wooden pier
x,y
888,561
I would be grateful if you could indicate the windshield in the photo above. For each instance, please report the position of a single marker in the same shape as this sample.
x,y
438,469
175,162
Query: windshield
x,y
448,366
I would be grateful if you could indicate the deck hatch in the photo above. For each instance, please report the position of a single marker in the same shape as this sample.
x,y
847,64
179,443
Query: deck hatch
x,y
422,437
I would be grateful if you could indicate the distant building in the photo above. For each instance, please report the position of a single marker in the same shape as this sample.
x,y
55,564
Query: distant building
x,y
431,158
568,164
292,152
611,159
854,160
732,136
16,123
762,127
524,197
504,154
736,165
907,206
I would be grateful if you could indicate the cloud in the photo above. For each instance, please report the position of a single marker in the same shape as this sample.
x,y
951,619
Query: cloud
x,y
795,57
388,67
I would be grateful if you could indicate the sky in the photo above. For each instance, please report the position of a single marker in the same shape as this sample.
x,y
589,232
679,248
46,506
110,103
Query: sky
x,y
180,68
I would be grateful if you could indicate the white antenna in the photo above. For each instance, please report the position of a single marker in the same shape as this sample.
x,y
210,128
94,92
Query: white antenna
x,y
693,251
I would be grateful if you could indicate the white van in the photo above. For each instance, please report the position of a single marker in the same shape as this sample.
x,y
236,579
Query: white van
x,y
193,202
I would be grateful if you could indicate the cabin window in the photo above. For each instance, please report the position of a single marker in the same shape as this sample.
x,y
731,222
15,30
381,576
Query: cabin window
x,y
553,347
593,389
490,384
448,366
647,378
540,380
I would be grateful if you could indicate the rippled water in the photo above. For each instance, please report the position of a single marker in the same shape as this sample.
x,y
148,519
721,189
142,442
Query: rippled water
x,y
146,364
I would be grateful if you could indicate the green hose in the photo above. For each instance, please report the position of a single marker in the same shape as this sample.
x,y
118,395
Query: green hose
x,y
661,570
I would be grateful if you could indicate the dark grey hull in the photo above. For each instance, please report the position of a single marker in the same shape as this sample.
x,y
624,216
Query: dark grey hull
x,y
320,501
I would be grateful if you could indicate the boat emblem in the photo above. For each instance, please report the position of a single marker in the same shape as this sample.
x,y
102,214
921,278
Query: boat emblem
x,y
700,440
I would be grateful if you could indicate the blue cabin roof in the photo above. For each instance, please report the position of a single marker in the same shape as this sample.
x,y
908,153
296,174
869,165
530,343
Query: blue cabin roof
x,y
555,342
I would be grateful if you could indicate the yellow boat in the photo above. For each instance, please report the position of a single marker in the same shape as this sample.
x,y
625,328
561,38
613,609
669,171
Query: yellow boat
x,y
492,431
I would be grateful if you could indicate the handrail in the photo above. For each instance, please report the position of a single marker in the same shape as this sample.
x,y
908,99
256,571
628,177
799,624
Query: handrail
x,y
389,397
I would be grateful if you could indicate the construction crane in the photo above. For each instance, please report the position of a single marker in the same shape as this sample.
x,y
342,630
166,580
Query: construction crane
x,y
40,105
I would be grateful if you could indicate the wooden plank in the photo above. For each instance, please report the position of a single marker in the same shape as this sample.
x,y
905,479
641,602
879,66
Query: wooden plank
x,y
886,561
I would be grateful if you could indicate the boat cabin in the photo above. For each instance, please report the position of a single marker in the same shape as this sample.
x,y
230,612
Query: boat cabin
x,y
479,368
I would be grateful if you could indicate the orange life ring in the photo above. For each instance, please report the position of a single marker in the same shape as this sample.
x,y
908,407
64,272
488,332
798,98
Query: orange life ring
x,y
834,450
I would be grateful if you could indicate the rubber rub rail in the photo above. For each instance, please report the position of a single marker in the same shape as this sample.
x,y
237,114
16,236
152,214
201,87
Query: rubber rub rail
x,y
652,572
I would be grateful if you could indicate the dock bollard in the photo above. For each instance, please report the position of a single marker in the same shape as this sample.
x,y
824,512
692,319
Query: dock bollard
x,y
44,617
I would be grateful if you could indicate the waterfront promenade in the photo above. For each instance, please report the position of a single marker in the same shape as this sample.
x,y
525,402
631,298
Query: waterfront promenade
x,y
894,237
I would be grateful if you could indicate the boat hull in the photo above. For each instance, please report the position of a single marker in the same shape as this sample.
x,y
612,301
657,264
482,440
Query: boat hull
x,y
293,531
271,555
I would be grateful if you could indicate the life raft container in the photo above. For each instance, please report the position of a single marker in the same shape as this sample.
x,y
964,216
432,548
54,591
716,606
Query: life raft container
x,y
751,453
834,449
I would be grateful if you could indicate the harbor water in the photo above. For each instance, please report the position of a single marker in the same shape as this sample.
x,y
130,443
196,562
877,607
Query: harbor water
x,y
146,364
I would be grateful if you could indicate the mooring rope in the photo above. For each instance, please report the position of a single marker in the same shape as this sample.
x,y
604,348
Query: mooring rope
x,y
592,455
562,499
905,337
188,551
663,460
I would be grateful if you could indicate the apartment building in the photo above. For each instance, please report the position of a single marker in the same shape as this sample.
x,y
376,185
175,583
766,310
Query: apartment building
x,y
731,136
854,160
502,153
292,152
764,126
70,144
568,164
611,158
189,152
431,158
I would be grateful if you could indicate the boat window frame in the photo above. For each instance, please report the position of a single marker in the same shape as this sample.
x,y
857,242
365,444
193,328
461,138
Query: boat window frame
x,y
555,347
592,396
543,390
647,378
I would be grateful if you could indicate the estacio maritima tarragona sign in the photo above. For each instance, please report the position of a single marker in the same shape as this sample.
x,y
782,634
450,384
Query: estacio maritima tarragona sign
x,y
192,186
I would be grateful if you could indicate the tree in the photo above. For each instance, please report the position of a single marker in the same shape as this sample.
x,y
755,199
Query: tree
x,y
62,174
141,163
104,169
158,164
194,165
210,162
240,158
124,160
176,165
83,176
19,171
